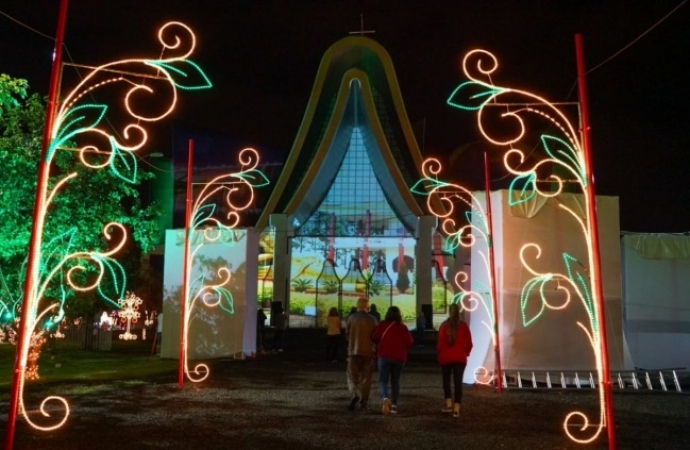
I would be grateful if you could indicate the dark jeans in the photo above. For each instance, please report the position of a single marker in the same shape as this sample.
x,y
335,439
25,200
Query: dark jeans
x,y
390,369
457,370
332,345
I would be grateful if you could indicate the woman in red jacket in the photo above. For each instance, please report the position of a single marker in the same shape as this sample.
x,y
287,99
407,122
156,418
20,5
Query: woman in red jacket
x,y
393,339
453,347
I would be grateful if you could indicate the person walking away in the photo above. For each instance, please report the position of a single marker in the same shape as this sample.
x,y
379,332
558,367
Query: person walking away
x,y
333,332
375,312
453,347
280,326
393,340
261,330
159,333
360,354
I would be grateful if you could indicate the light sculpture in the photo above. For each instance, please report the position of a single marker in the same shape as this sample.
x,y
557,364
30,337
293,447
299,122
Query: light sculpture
x,y
129,314
462,234
237,193
564,150
57,262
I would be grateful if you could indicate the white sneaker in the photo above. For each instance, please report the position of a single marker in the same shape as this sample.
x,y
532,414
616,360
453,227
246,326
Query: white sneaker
x,y
386,407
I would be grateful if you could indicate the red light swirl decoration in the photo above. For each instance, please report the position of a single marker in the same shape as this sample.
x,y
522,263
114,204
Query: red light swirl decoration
x,y
237,191
564,153
75,121
476,225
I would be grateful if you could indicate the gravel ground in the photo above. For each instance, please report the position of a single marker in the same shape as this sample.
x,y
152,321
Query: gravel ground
x,y
294,400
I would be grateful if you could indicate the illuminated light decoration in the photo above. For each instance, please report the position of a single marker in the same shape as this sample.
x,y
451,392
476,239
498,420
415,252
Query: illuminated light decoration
x,y
237,191
56,261
476,225
566,152
129,313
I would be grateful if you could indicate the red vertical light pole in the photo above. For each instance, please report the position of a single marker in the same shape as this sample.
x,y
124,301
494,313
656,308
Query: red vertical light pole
x,y
187,268
367,233
331,250
492,273
28,305
594,230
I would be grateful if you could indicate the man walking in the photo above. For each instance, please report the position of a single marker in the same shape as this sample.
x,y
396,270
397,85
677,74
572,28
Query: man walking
x,y
360,354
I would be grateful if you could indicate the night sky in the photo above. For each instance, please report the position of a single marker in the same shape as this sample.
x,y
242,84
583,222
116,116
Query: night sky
x,y
262,57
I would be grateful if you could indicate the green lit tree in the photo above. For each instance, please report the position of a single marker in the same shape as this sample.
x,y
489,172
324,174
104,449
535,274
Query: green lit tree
x,y
76,217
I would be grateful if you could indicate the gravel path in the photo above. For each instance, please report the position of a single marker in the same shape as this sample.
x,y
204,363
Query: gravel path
x,y
293,400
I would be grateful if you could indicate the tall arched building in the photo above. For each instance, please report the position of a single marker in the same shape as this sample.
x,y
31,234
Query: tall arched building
x,y
341,221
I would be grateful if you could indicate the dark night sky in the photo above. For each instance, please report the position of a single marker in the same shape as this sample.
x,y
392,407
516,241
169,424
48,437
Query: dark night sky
x,y
262,57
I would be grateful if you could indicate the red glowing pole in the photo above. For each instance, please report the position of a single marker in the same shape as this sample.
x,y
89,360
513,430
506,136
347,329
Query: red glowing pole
x,y
28,306
187,268
367,233
492,273
594,229
331,250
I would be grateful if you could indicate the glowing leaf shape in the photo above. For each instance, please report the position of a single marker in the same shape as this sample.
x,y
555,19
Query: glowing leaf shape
x,y
426,185
575,271
452,242
226,301
118,280
75,121
254,177
520,194
473,95
204,213
528,292
126,159
554,147
184,73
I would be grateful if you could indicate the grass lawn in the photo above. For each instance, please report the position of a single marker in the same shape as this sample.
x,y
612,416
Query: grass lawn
x,y
126,361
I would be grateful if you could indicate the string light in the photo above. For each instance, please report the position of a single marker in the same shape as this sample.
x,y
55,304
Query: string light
x,y
564,151
205,224
58,262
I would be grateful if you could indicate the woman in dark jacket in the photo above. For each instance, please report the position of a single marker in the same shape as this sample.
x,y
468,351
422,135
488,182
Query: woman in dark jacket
x,y
453,347
393,339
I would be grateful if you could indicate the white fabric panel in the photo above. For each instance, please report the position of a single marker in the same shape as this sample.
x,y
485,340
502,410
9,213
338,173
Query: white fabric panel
x,y
554,341
657,304
213,333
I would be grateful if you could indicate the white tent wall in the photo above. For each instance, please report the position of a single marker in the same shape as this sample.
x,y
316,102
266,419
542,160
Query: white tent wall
x,y
554,341
213,332
657,299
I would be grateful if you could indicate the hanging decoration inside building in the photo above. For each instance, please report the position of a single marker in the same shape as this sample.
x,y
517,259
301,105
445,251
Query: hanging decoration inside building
x,y
236,191
559,157
79,120
469,233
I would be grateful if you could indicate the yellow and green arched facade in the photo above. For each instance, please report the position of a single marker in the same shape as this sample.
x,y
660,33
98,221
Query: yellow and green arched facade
x,y
341,221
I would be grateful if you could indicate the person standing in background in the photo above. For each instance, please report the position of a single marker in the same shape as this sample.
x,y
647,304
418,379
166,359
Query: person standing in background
x,y
453,347
360,354
260,330
159,333
333,332
280,325
375,312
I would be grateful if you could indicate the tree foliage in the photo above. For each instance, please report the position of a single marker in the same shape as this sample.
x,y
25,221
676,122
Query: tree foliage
x,y
80,210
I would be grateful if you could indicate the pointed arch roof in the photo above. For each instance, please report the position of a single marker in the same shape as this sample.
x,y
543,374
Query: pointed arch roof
x,y
355,87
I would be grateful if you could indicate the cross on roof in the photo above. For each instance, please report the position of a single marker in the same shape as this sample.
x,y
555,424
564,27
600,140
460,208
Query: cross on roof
x,y
362,31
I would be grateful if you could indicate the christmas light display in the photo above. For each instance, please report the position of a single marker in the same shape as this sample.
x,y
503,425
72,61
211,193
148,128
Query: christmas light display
x,y
57,261
465,234
237,193
129,314
563,151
